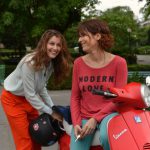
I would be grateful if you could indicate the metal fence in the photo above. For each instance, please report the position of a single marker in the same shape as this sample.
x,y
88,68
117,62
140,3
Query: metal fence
x,y
2,73
143,74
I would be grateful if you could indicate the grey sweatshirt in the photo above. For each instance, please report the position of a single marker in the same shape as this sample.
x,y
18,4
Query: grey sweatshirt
x,y
24,81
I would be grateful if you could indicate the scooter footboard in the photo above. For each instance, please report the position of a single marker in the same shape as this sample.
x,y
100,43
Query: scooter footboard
x,y
131,131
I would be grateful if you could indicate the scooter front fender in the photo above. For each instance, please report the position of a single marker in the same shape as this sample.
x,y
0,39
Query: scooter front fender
x,y
130,130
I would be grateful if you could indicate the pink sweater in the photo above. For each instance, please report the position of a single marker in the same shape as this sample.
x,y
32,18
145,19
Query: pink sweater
x,y
84,104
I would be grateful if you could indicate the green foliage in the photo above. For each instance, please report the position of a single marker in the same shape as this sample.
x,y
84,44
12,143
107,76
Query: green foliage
x,y
131,59
23,22
68,81
146,9
144,49
7,18
120,19
37,30
143,36
64,85
136,78
6,50
137,67
9,69
71,36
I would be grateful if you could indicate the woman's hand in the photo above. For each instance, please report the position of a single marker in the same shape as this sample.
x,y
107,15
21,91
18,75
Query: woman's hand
x,y
77,130
89,127
57,116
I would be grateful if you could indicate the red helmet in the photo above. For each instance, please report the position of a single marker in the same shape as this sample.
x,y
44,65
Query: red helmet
x,y
45,130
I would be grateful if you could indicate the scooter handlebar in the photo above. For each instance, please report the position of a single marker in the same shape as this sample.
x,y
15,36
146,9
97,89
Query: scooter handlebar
x,y
97,92
103,93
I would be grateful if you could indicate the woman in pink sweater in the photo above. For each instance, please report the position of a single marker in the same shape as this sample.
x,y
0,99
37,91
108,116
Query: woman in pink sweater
x,y
97,69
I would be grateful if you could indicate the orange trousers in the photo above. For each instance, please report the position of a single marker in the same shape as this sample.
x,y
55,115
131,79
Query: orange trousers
x,y
19,113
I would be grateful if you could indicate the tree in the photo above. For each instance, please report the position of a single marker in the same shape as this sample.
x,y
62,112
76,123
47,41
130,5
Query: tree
x,y
123,26
23,22
146,9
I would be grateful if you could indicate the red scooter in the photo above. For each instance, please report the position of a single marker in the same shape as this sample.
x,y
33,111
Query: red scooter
x,y
130,129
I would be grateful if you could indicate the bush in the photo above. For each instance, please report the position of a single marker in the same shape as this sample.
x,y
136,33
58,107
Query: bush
x,y
136,78
144,50
131,59
9,69
68,82
64,85
138,67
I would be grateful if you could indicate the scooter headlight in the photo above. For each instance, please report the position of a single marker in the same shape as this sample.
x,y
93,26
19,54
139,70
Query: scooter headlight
x,y
145,92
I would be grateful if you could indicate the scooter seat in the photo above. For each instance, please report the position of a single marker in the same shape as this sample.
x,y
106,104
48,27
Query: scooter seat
x,y
68,129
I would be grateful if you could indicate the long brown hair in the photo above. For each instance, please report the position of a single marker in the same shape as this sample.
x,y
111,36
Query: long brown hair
x,y
97,26
61,63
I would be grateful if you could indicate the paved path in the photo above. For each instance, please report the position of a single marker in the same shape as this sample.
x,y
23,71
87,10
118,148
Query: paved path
x,y
6,142
143,59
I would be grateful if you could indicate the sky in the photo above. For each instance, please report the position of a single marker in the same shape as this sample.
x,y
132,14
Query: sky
x,y
133,4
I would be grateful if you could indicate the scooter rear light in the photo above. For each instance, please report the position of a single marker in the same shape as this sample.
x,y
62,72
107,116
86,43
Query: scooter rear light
x,y
145,92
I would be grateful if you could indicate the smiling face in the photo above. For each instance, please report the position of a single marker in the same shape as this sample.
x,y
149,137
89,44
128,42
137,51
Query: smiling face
x,y
89,42
54,46
95,28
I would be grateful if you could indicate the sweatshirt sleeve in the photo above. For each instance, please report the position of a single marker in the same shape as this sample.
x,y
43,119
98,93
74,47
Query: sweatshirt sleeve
x,y
121,73
75,98
46,97
28,79
111,107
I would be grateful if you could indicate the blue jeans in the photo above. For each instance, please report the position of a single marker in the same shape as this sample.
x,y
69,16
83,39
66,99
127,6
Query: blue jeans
x,y
85,143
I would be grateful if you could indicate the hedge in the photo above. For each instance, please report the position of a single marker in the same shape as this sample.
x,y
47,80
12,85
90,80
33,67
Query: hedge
x,y
67,83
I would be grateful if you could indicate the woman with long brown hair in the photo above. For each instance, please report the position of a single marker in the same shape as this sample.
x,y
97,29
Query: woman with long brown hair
x,y
25,93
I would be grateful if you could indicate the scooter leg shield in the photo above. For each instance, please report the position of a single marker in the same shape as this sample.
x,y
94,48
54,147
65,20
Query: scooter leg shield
x,y
130,131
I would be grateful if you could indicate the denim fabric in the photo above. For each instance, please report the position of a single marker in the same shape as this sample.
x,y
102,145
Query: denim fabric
x,y
85,143
81,144
102,127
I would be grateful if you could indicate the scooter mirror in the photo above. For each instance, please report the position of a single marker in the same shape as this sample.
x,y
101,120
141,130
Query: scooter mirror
x,y
145,92
148,81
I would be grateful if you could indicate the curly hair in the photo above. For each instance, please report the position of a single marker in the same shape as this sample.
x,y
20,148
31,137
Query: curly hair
x,y
95,26
61,63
